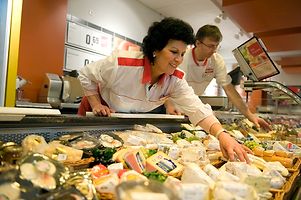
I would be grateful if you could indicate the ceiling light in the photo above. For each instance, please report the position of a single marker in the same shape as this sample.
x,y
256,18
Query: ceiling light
x,y
241,33
223,16
217,19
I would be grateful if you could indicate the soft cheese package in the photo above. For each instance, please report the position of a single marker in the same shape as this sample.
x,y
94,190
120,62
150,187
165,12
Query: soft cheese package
x,y
194,174
191,191
238,190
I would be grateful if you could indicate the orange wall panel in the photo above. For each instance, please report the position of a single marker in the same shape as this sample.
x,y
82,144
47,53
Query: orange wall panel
x,y
255,100
292,69
42,42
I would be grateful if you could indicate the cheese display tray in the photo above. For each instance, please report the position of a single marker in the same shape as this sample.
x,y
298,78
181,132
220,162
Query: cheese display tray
x,y
142,160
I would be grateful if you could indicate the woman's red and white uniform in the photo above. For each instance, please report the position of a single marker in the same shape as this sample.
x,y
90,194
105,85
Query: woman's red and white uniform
x,y
123,80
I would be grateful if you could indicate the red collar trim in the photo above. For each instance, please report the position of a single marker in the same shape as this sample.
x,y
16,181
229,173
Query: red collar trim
x,y
138,62
130,61
147,72
178,73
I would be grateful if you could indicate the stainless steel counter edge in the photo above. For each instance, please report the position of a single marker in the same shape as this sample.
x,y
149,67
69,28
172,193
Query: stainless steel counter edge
x,y
74,120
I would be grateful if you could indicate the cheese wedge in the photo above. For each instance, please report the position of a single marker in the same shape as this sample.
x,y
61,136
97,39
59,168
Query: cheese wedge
x,y
164,164
194,174
135,160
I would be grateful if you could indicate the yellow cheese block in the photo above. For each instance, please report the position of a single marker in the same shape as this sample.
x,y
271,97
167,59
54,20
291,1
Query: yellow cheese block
x,y
164,164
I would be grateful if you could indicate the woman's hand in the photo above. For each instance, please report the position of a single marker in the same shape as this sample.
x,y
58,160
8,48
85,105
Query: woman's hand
x,y
232,150
102,110
172,111
170,108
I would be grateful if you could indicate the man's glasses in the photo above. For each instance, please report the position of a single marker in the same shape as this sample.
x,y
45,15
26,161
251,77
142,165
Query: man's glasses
x,y
212,46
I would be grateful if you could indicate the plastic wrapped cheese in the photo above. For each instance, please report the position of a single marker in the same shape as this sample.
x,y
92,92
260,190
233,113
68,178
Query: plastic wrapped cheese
x,y
9,191
279,167
195,155
194,191
237,134
222,194
241,169
183,143
34,143
240,190
260,183
213,143
132,175
194,174
174,185
136,141
226,176
277,181
106,184
191,191
258,162
63,153
174,152
153,128
212,171
164,164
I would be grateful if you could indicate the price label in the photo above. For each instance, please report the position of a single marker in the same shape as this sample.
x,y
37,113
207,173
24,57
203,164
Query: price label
x,y
89,38
62,157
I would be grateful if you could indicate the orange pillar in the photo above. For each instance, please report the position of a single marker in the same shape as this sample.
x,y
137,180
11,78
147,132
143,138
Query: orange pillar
x,y
42,43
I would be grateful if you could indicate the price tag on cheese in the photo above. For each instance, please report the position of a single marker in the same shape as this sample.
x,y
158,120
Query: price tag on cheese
x,y
62,157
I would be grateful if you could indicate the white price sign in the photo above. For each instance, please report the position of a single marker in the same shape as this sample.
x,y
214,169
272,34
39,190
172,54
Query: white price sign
x,y
76,58
89,38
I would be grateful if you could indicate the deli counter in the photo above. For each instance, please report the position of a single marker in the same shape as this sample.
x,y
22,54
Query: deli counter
x,y
190,173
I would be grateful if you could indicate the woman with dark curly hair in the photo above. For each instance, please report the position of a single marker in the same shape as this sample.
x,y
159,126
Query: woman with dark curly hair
x,y
142,81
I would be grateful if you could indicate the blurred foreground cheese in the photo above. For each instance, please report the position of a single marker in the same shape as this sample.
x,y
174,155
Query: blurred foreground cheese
x,y
260,183
132,175
60,152
191,191
106,184
194,191
277,180
194,174
238,190
279,167
212,171
242,169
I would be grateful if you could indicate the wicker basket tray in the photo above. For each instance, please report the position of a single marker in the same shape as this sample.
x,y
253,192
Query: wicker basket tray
x,y
106,196
296,166
81,164
279,195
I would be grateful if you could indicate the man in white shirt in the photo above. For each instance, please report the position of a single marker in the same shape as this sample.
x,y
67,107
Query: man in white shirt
x,y
201,64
